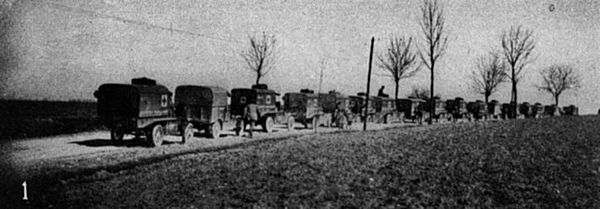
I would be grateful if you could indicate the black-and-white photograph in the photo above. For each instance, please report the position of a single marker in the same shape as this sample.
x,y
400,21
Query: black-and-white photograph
x,y
299,104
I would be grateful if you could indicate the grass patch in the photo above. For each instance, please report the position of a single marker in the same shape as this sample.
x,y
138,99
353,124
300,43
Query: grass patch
x,y
542,163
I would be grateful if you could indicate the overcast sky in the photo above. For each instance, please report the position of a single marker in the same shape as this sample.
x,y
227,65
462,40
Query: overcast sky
x,y
65,49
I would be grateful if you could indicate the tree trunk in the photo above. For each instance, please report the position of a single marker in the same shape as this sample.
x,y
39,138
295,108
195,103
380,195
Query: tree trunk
x,y
432,108
487,97
556,100
396,95
257,79
516,100
513,93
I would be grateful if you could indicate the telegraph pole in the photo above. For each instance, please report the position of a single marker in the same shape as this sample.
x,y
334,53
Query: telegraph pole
x,y
368,86
321,76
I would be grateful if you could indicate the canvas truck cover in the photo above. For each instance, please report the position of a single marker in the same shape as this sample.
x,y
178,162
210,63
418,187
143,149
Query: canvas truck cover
x,y
197,102
409,105
240,97
133,101
377,103
329,101
293,101
201,95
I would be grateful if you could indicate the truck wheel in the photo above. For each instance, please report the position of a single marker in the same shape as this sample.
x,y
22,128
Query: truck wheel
x,y
188,133
268,125
215,130
156,136
290,123
116,135
239,127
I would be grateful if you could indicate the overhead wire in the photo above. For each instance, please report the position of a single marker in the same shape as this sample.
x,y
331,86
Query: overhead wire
x,y
136,22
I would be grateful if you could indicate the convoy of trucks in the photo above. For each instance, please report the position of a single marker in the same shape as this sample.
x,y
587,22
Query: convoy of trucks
x,y
147,109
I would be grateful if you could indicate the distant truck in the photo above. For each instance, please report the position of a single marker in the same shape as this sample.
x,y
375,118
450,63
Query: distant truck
x,y
268,108
478,109
508,111
329,102
551,110
411,108
357,107
537,110
385,110
571,110
305,107
140,108
526,110
494,109
457,108
201,107
440,109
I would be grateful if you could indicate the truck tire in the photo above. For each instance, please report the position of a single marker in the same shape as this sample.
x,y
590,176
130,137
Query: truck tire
x,y
268,125
215,130
155,136
291,122
116,135
187,133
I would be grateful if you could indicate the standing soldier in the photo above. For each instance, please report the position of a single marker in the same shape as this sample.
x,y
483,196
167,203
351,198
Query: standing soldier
x,y
251,116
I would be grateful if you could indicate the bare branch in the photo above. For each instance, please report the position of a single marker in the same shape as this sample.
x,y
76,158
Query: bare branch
x,y
260,57
558,78
488,74
399,60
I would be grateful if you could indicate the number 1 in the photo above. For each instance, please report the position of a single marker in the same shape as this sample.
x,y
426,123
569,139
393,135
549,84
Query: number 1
x,y
24,190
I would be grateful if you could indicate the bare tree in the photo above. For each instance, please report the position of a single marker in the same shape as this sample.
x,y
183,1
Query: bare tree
x,y
260,56
489,73
557,79
517,46
436,38
399,61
